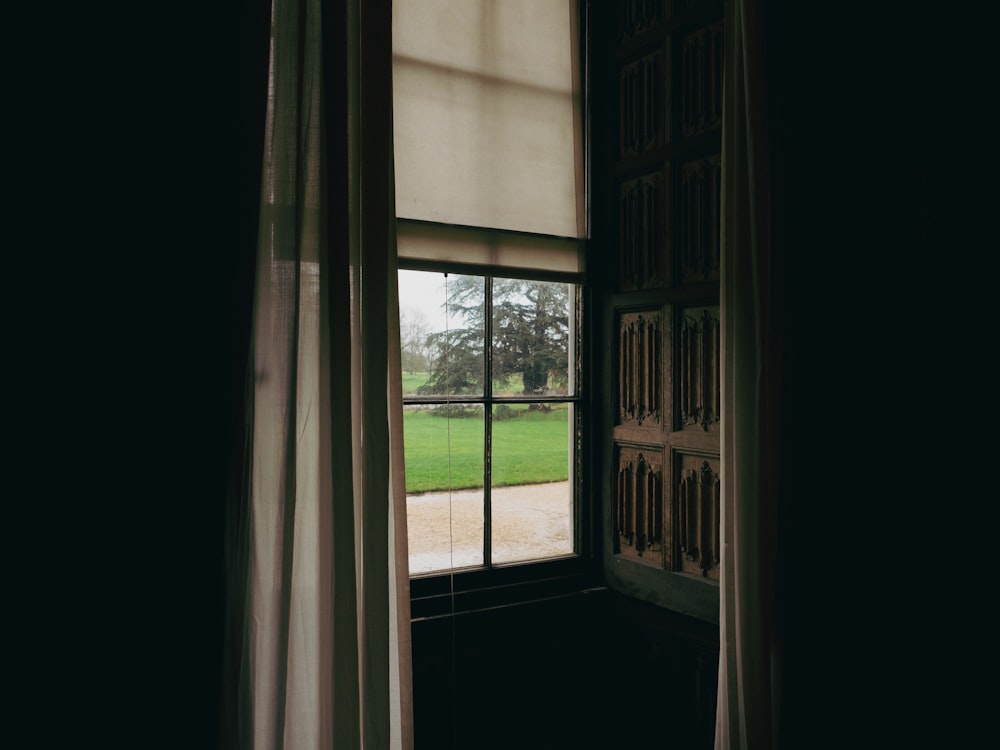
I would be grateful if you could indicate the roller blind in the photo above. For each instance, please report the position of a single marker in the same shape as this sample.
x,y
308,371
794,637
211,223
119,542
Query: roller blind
x,y
488,130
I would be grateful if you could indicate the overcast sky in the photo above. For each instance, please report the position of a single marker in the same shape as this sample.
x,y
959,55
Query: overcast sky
x,y
424,292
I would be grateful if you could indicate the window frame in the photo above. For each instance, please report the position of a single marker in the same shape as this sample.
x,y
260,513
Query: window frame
x,y
582,551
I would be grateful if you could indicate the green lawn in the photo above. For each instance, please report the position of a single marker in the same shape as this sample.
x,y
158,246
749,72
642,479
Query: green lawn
x,y
411,381
529,448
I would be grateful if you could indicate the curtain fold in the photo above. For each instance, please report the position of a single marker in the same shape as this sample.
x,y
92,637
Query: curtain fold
x,y
320,586
750,655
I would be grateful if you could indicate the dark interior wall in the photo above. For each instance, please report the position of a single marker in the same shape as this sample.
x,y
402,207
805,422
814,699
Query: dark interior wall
x,y
131,284
850,100
520,676
594,669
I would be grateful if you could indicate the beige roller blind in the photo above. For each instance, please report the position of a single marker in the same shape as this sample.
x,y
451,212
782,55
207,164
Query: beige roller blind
x,y
487,123
488,247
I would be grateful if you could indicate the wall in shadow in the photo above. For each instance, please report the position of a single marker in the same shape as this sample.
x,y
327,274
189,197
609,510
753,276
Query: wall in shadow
x,y
591,669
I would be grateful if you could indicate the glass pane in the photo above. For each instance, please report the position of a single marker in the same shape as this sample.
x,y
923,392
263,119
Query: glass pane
x,y
442,332
532,333
531,495
444,485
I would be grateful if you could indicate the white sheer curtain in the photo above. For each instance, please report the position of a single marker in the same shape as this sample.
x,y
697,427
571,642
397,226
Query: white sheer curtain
x,y
750,654
323,587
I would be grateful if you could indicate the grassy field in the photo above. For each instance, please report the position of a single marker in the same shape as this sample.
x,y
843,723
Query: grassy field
x,y
530,448
412,380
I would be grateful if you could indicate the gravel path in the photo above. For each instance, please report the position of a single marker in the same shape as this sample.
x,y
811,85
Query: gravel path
x,y
529,522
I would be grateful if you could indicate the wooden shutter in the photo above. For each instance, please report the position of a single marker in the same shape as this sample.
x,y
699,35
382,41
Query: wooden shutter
x,y
657,231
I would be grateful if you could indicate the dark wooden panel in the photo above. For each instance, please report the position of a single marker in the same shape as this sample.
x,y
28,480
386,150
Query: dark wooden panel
x,y
643,227
699,218
640,376
697,377
697,495
663,405
640,512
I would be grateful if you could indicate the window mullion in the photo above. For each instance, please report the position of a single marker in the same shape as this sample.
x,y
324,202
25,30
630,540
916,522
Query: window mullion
x,y
488,423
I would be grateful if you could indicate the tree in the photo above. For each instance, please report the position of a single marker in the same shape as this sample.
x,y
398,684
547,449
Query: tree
x,y
457,354
531,333
530,322
413,331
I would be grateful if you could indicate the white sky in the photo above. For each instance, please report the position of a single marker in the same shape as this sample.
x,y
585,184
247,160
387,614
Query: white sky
x,y
424,292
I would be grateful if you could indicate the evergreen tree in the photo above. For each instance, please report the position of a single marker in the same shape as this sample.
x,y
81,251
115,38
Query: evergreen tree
x,y
530,336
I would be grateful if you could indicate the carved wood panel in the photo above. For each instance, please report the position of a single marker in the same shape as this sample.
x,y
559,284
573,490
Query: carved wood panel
x,y
698,499
699,219
642,232
639,504
701,75
640,369
661,309
637,16
698,377
642,93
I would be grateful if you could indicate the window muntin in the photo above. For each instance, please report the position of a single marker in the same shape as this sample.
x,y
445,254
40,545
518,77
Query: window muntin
x,y
488,431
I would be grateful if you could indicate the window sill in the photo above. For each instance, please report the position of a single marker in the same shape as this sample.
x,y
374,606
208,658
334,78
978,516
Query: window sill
x,y
467,590
683,593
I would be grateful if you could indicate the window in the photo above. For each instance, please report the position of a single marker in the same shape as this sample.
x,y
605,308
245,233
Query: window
x,y
490,418
491,224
